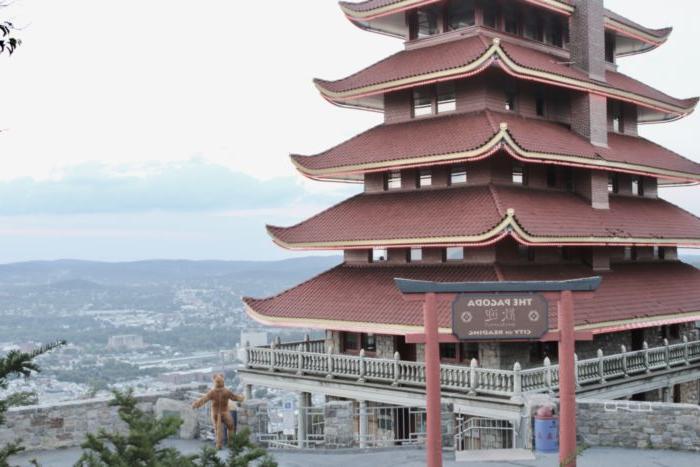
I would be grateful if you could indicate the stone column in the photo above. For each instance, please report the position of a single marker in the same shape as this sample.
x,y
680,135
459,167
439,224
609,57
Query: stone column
x,y
302,429
363,424
248,391
667,394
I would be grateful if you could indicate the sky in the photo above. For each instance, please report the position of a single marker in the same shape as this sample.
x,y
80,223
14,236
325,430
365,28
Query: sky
x,y
138,129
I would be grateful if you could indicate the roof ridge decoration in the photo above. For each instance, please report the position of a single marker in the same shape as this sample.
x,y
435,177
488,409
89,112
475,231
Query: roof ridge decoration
x,y
501,140
507,225
496,54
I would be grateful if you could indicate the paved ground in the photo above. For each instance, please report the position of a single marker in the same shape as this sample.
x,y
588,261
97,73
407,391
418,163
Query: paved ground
x,y
598,457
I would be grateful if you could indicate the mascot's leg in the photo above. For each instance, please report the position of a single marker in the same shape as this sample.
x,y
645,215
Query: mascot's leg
x,y
216,421
228,420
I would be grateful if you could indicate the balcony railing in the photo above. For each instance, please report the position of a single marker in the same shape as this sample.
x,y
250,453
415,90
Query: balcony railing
x,y
308,358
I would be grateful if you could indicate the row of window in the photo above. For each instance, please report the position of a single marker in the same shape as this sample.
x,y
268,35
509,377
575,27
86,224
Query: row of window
x,y
458,176
614,185
441,98
415,255
530,23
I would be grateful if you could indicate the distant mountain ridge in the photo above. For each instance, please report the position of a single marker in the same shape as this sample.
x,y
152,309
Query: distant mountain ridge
x,y
155,271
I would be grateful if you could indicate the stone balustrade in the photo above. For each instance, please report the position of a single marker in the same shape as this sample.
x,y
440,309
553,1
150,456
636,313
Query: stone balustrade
x,y
305,359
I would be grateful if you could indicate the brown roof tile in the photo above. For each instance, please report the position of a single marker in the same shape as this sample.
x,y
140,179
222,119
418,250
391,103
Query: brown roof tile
x,y
450,215
367,295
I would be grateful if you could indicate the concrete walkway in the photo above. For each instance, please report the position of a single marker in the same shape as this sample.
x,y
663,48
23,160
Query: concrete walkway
x,y
596,457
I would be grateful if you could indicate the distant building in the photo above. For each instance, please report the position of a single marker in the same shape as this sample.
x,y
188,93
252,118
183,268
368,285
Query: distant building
x,y
201,375
125,342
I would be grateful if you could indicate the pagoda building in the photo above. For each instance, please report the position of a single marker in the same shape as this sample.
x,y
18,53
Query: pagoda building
x,y
509,151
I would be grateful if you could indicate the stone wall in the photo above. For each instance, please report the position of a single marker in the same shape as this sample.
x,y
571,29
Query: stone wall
x,y
66,424
63,424
639,425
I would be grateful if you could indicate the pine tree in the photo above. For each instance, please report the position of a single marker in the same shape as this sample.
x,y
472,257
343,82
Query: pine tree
x,y
17,363
140,446
241,452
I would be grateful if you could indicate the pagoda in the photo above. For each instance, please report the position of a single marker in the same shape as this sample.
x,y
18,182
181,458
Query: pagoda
x,y
509,151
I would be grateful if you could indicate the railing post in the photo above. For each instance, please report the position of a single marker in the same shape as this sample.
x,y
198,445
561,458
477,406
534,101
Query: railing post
x,y
548,374
247,354
517,383
300,360
397,358
278,341
472,377
686,352
578,385
645,348
329,361
362,366
601,366
667,354
623,351
307,343
273,355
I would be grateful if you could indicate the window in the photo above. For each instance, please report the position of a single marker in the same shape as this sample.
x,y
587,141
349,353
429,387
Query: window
x,y
455,254
468,351
510,101
491,15
448,352
379,255
610,40
616,111
350,341
541,350
425,178
393,180
424,22
446,97
369,342
569,179
422,101
554,32
353,342
460,14
458,174
511,21
540,104
526,253
613,183
519,175
637,186
532,28
671,332
551,176
416,255
662,253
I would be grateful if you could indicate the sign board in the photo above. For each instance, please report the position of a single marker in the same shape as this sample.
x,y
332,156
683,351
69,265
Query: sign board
x,y
505,316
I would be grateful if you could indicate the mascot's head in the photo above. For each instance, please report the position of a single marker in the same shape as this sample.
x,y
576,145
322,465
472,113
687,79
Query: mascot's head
x,y
218,380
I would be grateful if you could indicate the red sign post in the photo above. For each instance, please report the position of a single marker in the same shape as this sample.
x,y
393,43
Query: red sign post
x,y
509,327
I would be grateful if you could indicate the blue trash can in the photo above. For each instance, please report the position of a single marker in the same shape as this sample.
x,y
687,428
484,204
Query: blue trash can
x,y
546,434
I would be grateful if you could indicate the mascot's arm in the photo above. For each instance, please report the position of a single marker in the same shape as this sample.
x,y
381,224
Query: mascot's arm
x,y
202,400
235,397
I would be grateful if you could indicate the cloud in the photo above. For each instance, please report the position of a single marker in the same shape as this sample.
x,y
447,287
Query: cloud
x,y
189,186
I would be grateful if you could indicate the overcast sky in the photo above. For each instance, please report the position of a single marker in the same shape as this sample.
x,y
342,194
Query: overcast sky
x,y
137,129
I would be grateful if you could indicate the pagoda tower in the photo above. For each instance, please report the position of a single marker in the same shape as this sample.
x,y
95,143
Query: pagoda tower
x,y
509,151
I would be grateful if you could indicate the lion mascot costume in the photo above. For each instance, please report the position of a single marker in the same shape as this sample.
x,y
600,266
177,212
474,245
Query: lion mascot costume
x,y
219,396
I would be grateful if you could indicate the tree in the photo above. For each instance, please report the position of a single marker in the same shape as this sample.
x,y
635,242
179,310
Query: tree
x,y
140,446
17,363
241,452
8,41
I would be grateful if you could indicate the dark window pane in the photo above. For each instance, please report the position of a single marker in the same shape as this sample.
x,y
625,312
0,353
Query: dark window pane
x,y
446,97
470,351
422,101
460,14
351,341
448,351
427,21
369,342
511,21
491,14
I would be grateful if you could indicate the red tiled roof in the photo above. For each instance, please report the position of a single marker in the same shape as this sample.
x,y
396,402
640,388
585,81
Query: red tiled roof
x,y
658,33
478,214
471,55
364,298
404,144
